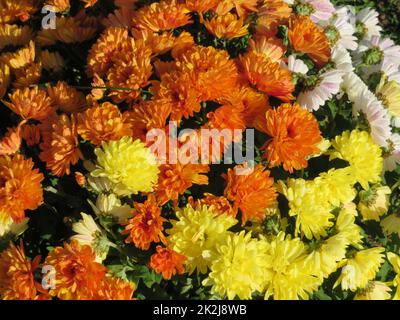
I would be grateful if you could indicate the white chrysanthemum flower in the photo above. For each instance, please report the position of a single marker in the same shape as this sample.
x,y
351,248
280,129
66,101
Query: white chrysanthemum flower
x,y
369,108
377,50
319,89
89,233
344,12
353,85
110,205
386,69
392,156
367,23
318,10
342,59
11,228
297,65
340,32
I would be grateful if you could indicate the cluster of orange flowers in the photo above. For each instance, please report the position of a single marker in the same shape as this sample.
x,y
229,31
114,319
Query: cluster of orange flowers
x,y
134,89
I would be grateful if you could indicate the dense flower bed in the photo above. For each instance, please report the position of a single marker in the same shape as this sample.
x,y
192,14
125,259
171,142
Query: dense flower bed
x,y
109,191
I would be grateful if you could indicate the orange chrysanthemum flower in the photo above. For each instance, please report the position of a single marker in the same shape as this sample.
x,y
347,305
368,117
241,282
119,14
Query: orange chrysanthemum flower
x,y
130,72
178,91
146,226
115,289
60,147
120,18
125,3
306,37
183,43
214,73
252,193
227,26
294,136
17,281
28,75
80,179
100,55
20,187
59,5
221,205
158,43
148,115
267,76
275,10
228,120
102,123
11,142
65,98
175,179
271,48
89,3
31,134
78,275
162,16
271,14
52,61
167,262
201,6
242,6
69,30
5,79
12,34
31,104
20,58
13,11
253,103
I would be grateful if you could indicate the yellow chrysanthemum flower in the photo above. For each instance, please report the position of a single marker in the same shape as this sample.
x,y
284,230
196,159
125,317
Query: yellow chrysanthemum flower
x,y
374,202
391,224
325,259
389,94
395,262
364,156
345,225
197,233
308,204
336,185
238,269
375,290
287,277
359,270
128,164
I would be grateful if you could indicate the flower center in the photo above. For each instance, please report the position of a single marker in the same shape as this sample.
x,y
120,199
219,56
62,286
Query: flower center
x,y
311,82
361,30
333,35
383,99
387,152
373,56
363,123
368,197
304,9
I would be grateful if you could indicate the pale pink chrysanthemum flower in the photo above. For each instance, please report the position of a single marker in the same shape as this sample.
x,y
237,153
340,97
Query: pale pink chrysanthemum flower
x,y
319,89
